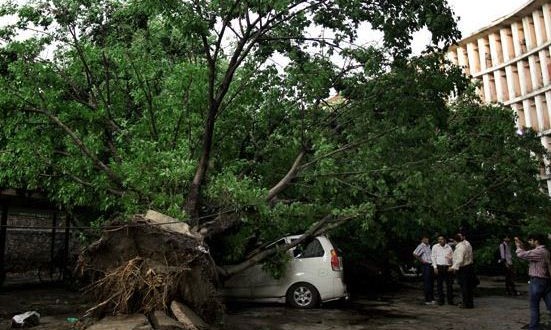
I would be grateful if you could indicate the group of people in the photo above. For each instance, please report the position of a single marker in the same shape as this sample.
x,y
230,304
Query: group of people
x,y
445,263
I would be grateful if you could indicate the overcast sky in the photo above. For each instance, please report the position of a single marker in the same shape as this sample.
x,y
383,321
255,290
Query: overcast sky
x,y
476,14
473,15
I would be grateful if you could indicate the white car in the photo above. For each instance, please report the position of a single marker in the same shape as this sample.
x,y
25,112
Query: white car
x,y
314,275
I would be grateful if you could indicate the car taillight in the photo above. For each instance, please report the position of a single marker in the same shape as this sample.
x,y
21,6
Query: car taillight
x,y
335,262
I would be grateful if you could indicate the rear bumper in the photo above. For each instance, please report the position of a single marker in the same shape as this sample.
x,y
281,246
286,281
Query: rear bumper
x,y
339,291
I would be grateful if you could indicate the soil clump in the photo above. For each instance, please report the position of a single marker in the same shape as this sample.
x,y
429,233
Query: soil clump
x,y
143,265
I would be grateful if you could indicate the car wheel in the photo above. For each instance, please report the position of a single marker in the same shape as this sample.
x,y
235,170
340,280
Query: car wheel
x,y
303,295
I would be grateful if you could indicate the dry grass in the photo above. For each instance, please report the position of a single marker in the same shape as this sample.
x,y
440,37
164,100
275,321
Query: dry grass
x,y
135,287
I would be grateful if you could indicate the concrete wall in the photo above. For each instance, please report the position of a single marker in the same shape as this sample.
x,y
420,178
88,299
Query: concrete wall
x,y
31,247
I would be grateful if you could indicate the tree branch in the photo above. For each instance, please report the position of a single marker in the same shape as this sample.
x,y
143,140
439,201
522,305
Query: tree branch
x,y
147,92
32,108
315,229
291,174
185,103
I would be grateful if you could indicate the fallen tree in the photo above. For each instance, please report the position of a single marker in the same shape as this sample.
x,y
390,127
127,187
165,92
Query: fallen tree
x,y
146,264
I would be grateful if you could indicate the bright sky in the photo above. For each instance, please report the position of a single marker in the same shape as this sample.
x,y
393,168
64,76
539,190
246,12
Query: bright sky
x,y
473,15
476,14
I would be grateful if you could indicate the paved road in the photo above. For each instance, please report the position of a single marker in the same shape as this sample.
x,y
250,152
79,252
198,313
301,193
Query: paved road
x,y
398,310
401,310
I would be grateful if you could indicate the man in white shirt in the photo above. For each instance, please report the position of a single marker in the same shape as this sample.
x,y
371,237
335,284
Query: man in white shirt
x,y
441,262
462,265
506,261
423,253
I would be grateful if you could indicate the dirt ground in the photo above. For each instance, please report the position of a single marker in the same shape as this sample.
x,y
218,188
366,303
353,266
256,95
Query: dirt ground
x,y
400,309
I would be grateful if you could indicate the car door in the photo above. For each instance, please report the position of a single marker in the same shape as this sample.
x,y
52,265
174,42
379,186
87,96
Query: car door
x,y
239,285
263,284
309,265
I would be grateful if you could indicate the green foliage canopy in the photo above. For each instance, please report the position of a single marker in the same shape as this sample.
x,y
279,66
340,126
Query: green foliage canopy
x,y
121,106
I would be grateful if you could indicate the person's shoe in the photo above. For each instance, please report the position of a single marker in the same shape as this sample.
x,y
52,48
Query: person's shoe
x,y
430,302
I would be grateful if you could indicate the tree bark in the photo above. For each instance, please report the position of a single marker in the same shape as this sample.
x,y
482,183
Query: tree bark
x,y
195,189
291,174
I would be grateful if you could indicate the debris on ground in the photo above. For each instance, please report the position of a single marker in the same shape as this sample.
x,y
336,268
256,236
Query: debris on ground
x,y
25,320
161,321
143,265
122,322
187,317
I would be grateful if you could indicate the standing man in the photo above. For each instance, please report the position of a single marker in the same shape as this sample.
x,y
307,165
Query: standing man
x,y
462,265
540,286
424,255
506,262
441,262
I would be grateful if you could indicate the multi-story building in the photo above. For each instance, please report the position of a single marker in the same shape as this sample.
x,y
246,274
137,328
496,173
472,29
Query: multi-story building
x,y
511,58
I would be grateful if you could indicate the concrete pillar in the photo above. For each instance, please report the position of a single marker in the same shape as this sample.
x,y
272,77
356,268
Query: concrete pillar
x,y
522,76
529,33
506,45
542,123
487,88
495,49
482,53
544,62
546,8
539,27
517,46
534,76
527,114
462,59
473,58
452,56
548,105
500,88
519,120
546,142
510,79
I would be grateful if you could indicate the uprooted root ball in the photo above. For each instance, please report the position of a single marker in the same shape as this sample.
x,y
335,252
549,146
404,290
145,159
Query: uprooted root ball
x,y
140,267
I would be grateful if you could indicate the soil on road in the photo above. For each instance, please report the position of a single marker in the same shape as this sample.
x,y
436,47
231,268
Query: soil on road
x,y
400,309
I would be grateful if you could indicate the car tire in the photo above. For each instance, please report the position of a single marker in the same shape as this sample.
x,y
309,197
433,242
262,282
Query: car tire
x,y
302,295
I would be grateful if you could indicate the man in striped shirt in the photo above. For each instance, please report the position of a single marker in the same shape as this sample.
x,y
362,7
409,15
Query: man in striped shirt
x,y
423,253
540,281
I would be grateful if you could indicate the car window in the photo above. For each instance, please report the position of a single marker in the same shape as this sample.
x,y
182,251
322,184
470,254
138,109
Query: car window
x,y
313,249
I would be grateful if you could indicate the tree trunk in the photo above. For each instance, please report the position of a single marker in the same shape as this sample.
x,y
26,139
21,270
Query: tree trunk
x,y
192,201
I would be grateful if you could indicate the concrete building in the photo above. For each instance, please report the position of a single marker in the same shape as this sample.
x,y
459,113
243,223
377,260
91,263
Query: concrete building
x,y
511,58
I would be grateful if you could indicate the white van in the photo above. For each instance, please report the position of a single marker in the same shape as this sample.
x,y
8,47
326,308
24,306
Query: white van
x,y
314,275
